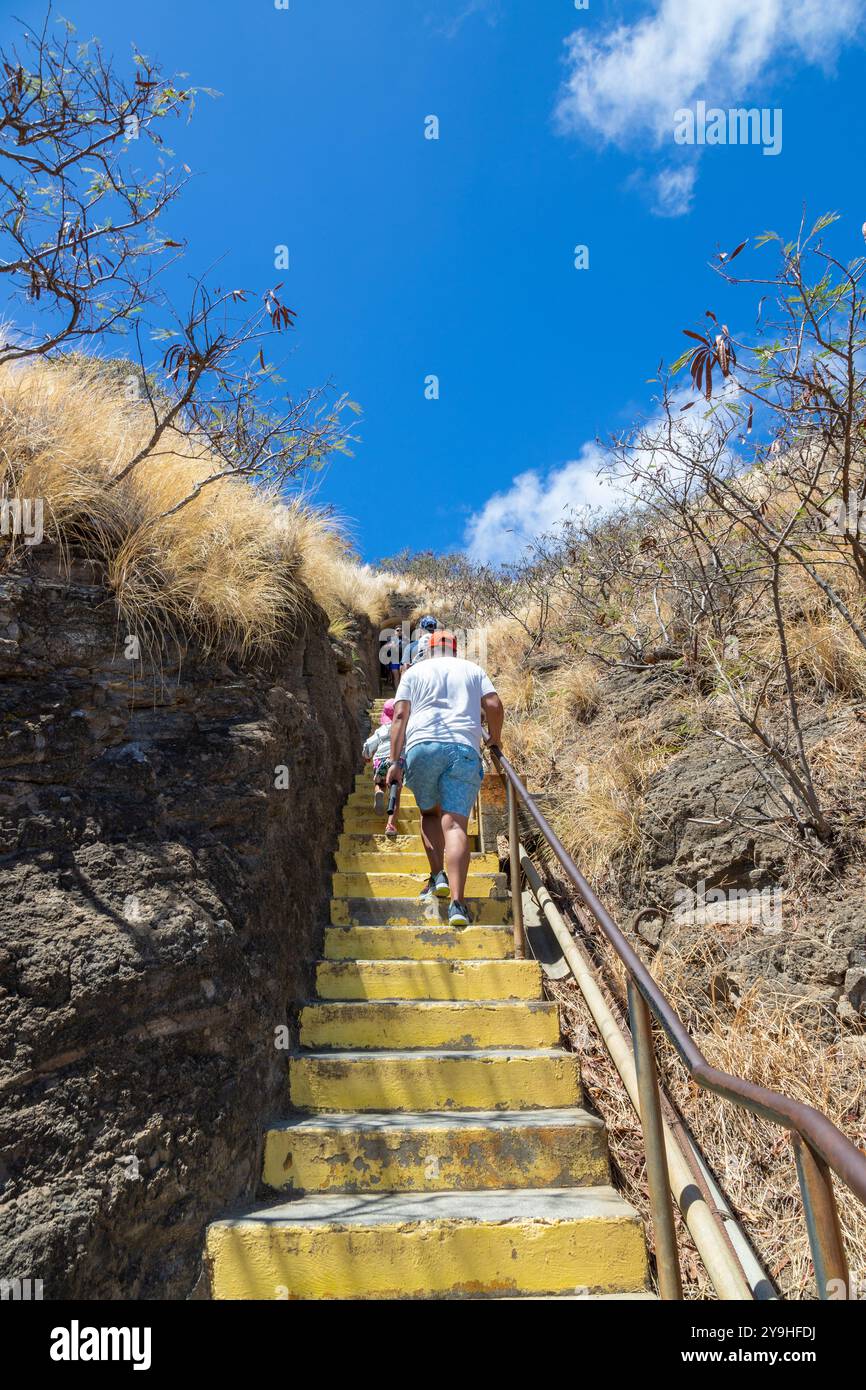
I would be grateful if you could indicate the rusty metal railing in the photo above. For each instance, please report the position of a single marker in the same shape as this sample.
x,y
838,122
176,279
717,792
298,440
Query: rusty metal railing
x,y
820,1149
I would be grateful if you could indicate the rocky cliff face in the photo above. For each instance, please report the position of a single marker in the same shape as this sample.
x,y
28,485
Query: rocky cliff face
x,y
164,847
723,884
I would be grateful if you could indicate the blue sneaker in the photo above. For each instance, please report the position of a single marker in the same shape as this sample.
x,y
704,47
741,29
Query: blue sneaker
x,y
458,915
441,888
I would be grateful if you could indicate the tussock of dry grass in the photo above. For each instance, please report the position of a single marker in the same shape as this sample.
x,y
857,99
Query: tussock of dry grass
x,y
233,568
826,656
597,809
576,692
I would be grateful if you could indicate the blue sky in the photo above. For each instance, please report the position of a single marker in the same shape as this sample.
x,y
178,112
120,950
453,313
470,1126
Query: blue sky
x,y
455,257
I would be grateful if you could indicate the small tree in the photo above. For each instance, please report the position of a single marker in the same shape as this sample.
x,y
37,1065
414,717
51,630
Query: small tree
x,y
81,247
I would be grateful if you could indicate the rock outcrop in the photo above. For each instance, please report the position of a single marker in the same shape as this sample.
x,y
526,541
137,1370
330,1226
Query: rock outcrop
x,y
165,839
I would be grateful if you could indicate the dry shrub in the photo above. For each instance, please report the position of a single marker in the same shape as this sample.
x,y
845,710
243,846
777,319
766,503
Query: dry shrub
x,y
233,568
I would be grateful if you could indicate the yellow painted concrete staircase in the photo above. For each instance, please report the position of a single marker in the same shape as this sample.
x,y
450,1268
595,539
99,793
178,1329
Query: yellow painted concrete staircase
x,y
436,1145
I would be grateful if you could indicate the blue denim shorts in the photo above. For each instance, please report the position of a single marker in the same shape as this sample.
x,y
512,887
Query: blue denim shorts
x,y
447,775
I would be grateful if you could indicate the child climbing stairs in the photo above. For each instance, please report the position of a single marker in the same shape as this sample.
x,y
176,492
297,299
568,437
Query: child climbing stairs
x,y
436,1146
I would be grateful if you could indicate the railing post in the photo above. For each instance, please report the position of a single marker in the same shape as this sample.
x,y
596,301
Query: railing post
x,y
661,1206
514,861
822,1219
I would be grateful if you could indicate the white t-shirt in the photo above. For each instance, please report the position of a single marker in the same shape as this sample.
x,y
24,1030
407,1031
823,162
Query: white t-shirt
x,y
445,694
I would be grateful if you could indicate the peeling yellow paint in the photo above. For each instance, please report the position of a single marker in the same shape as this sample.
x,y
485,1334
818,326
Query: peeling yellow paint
x,y
410,1024
418,943
429,979
435,1159
433,1082
445,1259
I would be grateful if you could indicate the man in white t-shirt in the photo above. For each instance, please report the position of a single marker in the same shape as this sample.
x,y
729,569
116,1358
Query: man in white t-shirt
x,y
438,708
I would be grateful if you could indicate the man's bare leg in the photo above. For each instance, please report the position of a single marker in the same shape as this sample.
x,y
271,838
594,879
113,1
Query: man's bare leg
x,y
456,855
434,840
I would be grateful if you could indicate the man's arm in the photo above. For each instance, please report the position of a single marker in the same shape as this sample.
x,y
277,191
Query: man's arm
x,y
494,715
402,709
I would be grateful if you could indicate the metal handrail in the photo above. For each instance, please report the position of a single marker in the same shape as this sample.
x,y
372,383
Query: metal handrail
x,y
819,1146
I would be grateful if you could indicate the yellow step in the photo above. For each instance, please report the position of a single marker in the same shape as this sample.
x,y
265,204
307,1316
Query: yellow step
x,y
407,885
463,1151
404,862
408,912
369,823
495,1079
430,1245
377,842
359,822
363,800
418,943
428,979
454,1024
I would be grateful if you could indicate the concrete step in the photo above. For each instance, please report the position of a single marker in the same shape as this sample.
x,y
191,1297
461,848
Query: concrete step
x,y
429,979
407,885
377,842
489,1079
402,861
362,800
430,1245
411,912
630,1296
418,943
399,1023
465,1151
365,820
368,823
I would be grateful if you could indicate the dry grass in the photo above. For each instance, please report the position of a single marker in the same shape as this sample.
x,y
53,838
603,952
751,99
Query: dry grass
x,y
234,568
826,657
767,1039
596,808
576,692
770,1041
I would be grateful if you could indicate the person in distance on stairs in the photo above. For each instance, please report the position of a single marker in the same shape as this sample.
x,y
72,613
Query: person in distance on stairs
x,y
438,708
377,749
419,647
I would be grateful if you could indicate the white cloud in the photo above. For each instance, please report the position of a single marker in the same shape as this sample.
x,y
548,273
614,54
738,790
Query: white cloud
x,y
674,189
488,9
626,84
535,504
